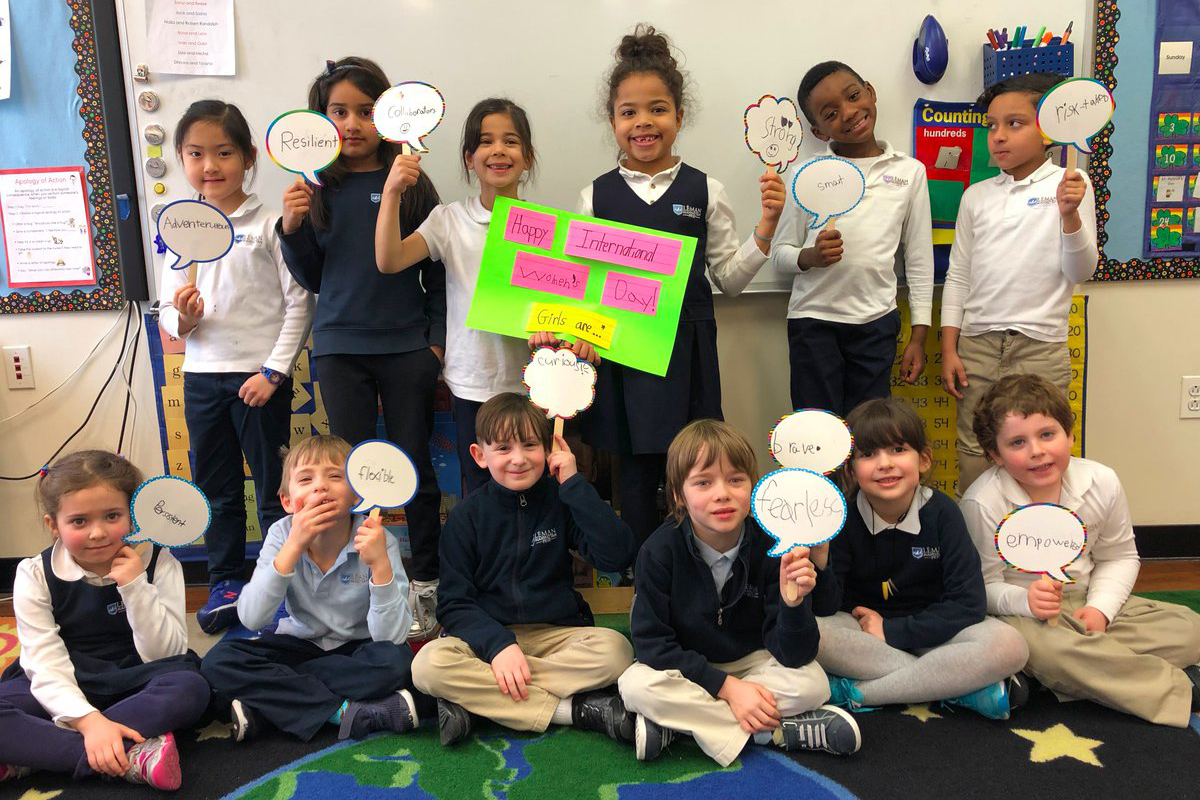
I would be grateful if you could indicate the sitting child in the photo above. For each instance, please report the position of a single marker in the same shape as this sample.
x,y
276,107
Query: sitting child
x,y
519,645
339,655
1129,653
719,655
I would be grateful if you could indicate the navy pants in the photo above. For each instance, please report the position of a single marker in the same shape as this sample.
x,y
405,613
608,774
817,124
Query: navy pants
x,y
354,388
296,685
640,479
465,412
836,365
28,738
222,427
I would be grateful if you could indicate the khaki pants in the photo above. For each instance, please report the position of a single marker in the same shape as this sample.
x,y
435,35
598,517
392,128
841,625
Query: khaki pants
x,y
675,702
987,358
562,661
1136,666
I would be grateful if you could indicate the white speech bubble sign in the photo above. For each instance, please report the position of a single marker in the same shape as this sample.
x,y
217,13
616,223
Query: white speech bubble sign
x,y
773,131
811,438
381,474
1074,111
1041,538
828,187
195,232
168,511
797,507
408,112
304,142
560,383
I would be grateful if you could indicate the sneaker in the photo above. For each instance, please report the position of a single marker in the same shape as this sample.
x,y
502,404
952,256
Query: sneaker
x,y
422,599
603,711
827,728
1020,687
155,762
991,701
244,719
9,772
1193,673
220,611
844,692
454,723
396,713
650,738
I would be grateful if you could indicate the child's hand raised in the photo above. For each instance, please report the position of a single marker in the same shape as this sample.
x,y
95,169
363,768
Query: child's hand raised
x,y
773,196
511,671
190,305
751,703
126,566
1070,193
297,199
826,252
584,351
317,515
561,460
371,546
404,173
870,621
797,568
1045,598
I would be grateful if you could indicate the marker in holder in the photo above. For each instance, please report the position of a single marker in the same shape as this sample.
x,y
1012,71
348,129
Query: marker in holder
x,y
999,65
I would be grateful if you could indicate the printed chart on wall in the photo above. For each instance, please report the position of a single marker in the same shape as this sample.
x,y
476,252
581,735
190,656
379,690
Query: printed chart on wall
x,y
1173,219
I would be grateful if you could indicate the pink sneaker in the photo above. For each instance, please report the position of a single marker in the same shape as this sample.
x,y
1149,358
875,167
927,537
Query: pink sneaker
x,y
155,762
9,772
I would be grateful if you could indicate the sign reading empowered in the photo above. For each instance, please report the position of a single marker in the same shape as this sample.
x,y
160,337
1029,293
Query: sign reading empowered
x,y
617,286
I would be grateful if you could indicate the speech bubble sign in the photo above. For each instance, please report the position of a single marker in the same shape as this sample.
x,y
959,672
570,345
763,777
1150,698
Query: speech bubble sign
x,y
1074,111
811,438
304,142
408,112
559,382
828,187
195,232
773,131
1041,538
797,507
381,474
168,511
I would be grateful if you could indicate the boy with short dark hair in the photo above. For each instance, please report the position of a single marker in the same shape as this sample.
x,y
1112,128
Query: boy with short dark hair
x,y
520,646
1136,655
1022,241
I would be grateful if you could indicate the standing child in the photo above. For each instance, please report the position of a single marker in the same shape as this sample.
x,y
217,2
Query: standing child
x,y
520,647
1022,241
339,655
721,655
636,414
899,596
1135,655
843,323
378,340
105,675
244,319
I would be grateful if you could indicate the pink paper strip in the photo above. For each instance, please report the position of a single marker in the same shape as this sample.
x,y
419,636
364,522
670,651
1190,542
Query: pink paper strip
x,y
631,293
620,246
530,227
544,274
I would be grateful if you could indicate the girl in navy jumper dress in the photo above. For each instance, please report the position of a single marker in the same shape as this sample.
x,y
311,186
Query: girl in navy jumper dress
x,y
636,414
105,675
378,340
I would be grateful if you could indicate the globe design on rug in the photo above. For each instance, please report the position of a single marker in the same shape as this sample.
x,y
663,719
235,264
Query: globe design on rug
x,y
559,763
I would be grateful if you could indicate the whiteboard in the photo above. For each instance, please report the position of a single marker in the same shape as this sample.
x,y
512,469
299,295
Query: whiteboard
x,y
550,56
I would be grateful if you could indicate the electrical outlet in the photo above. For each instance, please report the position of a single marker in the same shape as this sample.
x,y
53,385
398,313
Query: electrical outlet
x,y
18,367
1189,397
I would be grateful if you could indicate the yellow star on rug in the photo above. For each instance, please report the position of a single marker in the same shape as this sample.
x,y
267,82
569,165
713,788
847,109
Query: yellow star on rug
x,y
214,730
1060,742
922,712
34,794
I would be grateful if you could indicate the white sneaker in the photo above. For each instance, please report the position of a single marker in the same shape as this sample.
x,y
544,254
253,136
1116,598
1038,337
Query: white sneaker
x,y
422,599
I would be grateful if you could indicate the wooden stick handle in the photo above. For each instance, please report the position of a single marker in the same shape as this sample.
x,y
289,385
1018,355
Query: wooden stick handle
x,y
374,515
1072,161
191,274
829,225
558,431
1053,621
790,590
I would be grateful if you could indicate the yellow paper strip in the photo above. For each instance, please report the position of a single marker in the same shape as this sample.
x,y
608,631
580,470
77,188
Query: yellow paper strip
x,y
587,325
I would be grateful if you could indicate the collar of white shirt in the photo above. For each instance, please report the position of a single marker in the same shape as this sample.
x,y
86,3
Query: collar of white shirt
x,y
887,153
1075,483
633,176
710,555
67,569
912,518
1046,170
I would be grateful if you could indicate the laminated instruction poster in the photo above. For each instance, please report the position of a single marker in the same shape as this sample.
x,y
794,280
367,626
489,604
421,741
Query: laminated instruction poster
x,y
46,227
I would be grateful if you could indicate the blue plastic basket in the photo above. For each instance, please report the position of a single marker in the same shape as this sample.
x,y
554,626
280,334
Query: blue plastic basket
x,y
1000,65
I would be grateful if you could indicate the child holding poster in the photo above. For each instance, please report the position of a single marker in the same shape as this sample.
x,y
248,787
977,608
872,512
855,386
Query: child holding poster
x,y
843,323
899,598
378,340
637,414
1136,655
1022,241
244,319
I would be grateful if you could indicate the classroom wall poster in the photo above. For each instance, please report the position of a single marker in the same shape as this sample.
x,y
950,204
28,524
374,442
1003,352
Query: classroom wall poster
x,y
5,51
190,38
46,227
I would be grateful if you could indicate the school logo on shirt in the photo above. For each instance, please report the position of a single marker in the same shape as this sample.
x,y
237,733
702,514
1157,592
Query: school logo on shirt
x,y
353,577
895,180
116,608
1034,202
752,591
927,552
376,197
682,210
544,536
249,239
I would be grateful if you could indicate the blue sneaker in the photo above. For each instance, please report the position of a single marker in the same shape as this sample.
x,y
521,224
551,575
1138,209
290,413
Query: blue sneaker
x,y
991,701
221,609
844,692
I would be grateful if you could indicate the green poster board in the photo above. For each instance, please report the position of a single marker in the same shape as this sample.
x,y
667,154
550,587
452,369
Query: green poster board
x,y
617,286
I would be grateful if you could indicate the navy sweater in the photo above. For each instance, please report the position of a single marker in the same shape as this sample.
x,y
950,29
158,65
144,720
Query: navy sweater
x,y
679,622
936,586
361,311
505,559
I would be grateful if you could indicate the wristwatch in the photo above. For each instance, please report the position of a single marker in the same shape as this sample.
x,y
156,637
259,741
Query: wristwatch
x,y
273,377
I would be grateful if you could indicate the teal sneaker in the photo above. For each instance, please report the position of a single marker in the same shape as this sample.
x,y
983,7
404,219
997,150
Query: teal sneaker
x,y
991,701
844,692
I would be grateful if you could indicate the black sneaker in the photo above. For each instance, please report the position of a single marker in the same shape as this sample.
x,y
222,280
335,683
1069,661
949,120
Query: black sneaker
x,y
245,721
1193,673
603,711
650,738
396,713
454,723
1020,687
827,728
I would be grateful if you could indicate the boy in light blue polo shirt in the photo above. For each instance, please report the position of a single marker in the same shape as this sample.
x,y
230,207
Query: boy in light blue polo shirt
x,y
339,654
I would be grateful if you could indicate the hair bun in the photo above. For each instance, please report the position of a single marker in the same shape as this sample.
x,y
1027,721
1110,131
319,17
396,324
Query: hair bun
x,y
645,43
